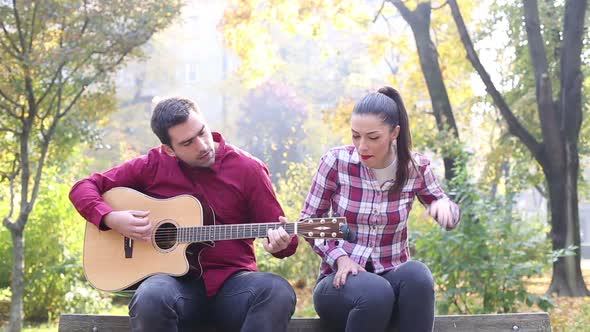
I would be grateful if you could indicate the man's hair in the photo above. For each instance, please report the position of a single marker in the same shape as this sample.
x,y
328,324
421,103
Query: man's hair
x,y
169,113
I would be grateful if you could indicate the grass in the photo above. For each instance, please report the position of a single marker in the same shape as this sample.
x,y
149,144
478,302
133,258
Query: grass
x,y
569,314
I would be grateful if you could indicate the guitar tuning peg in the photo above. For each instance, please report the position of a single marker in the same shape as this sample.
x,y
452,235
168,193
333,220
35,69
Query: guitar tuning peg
x,y
326,215
336,214
325,242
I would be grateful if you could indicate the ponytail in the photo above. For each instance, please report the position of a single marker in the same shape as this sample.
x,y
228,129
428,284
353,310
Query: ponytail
x,y
404,139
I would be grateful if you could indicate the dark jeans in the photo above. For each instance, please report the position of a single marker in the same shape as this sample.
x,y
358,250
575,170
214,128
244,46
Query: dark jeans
x,y
372,302
248,301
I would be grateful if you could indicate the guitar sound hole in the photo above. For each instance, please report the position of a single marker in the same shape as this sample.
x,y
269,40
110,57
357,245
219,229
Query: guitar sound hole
x,y
166,236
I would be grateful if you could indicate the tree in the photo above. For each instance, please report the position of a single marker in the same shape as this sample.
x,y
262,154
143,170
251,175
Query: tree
x,y
57,57
419,21
560,119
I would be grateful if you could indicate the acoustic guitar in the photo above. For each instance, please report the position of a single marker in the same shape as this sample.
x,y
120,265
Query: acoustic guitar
x,y
113,262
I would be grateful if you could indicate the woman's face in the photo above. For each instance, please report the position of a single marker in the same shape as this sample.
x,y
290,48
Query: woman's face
x,y
373,139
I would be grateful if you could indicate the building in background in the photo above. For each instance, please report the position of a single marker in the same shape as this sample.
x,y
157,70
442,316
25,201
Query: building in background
x,y
187,59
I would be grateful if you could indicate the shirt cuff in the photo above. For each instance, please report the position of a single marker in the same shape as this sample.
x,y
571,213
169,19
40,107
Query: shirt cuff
x,y
333,255
97,215
290,250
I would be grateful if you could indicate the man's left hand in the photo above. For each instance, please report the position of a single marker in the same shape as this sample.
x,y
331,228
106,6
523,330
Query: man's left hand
x,y
277,239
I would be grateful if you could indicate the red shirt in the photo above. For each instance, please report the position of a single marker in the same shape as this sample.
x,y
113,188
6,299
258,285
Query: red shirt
x,y
236,186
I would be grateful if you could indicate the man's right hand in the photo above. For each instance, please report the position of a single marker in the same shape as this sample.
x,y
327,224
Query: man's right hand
x,y
130,223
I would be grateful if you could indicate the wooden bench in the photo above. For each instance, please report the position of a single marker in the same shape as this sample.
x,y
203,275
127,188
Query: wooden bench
x,y
522,322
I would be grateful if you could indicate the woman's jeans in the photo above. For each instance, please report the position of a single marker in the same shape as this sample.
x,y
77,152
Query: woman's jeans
x,y
248,301
372,302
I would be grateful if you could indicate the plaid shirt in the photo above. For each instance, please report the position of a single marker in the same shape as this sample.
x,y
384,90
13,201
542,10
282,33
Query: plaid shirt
x,y
378,215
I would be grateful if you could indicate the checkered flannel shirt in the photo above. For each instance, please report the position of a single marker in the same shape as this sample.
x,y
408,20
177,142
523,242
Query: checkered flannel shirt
x,y
343,185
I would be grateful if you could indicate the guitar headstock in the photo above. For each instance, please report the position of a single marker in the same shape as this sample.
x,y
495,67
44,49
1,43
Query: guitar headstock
x,y
324,228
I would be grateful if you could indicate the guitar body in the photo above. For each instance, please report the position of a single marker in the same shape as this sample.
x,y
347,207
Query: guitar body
x,y
109,266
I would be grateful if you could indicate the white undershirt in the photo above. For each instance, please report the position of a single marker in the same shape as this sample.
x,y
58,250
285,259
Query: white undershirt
x,y
385,174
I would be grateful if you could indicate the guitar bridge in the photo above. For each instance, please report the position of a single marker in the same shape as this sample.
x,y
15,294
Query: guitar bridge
x,y
128,245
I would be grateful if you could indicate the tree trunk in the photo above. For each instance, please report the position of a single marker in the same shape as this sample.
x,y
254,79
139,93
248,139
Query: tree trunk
x,y
419,21
18,280
567,279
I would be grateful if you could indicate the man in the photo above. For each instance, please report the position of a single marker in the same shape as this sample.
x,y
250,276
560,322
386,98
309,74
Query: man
x,y
193,160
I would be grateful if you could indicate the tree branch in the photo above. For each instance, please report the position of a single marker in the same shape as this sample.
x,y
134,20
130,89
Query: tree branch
x,y
548,114
50,106
10,100
542,191
51,84
92,80
9,111
379,11
33,20
41,163
8,50
6,129
61,66
534,38
13,174
514,125
571,79
12,43
19,28
403,9
439,7
391,66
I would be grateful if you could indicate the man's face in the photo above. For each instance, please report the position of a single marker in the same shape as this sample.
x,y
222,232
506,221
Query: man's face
x,y
192,142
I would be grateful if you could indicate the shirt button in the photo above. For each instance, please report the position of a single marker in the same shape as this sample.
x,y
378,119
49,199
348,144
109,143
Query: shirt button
x,y
375,211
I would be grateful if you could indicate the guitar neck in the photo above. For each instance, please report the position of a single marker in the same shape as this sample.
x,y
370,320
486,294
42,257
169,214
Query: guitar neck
x,y
230,232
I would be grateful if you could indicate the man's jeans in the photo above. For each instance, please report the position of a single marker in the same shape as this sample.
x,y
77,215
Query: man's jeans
x,y
248,301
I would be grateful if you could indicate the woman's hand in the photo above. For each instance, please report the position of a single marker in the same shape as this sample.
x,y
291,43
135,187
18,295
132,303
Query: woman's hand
x,y
345,265
441,211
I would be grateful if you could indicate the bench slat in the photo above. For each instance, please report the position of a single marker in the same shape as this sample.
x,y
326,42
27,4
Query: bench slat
x,y
521,322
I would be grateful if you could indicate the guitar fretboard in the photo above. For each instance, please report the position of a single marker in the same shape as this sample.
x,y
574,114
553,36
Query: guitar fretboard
x,y
229,232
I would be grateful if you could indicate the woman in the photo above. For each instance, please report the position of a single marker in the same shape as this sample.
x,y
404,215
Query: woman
x,y
366,285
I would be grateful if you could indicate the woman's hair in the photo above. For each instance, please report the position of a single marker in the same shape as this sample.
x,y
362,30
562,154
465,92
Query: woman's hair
x,y
169,113
387,104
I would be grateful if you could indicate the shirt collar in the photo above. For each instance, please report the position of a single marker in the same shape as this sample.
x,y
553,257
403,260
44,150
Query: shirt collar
x,y
219,152
355,156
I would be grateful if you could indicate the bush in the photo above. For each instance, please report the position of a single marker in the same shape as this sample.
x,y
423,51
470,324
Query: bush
x,y
302,268
482,266
54,280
